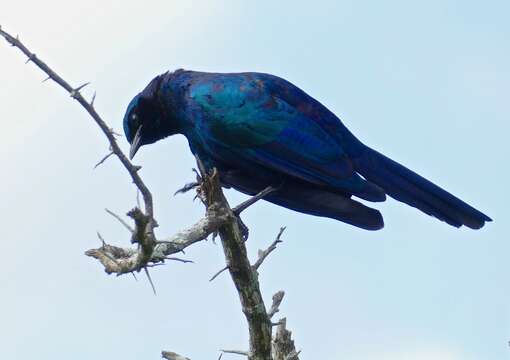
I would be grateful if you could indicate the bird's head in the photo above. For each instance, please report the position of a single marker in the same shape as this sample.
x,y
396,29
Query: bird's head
x,y
146,120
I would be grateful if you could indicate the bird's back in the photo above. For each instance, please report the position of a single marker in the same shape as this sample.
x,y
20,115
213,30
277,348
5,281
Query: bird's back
x,y
268,129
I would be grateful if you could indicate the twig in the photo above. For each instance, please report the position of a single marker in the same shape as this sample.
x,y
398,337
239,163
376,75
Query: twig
x,y
264,253
101,238
237,352
178,260
75,93
125,224
246,204
187,187
117,260
146,234
277,300
150,279
218,273
104,159
169,355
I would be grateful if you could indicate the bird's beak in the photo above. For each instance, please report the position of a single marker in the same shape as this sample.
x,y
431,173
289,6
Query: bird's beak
x,y
136,143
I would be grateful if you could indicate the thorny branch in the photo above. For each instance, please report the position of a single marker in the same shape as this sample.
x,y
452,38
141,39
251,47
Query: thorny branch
x,y
263,254
117,260
219,218
89,107
145,235
245,278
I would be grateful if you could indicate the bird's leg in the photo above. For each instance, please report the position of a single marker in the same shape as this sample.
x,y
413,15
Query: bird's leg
x,y
245,204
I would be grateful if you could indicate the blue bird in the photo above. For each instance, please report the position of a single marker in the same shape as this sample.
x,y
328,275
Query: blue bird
x,y
260,130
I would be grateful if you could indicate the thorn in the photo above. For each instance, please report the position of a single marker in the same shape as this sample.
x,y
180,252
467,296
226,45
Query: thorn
x,y
93,99
74,94
252,200
150,279
49,77
218,273
81,86
16,39
101,238
137,167
104,159
125,224
30,58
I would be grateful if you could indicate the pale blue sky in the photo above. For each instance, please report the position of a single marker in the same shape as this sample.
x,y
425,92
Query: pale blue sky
x,y
426,83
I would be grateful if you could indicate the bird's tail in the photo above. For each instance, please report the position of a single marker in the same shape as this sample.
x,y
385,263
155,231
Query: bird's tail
x,y
405,185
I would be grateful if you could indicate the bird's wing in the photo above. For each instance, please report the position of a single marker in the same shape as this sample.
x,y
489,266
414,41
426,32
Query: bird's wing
x,y
249,118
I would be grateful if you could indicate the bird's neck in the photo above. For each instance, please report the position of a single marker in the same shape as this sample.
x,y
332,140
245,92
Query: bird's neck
x,y
168,97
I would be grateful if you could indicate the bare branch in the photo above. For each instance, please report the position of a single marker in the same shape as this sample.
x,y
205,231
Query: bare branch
x,y
74,92
277,300
218,273
187,187
125,224
246,204
237,352
220,218
145,223
179,260
169,355
104,159
117,260
242,273
101,238
283,345
264,253
150,279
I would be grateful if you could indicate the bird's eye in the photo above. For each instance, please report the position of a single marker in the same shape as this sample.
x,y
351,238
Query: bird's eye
x,y
134,117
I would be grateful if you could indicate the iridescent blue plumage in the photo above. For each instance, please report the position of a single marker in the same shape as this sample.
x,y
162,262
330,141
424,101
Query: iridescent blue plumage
x,y
261,130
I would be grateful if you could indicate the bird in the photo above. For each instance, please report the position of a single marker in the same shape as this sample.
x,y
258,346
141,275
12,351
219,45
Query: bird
x,y
260,131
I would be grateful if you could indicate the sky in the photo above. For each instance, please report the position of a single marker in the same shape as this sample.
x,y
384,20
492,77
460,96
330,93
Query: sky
x,y
426,83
